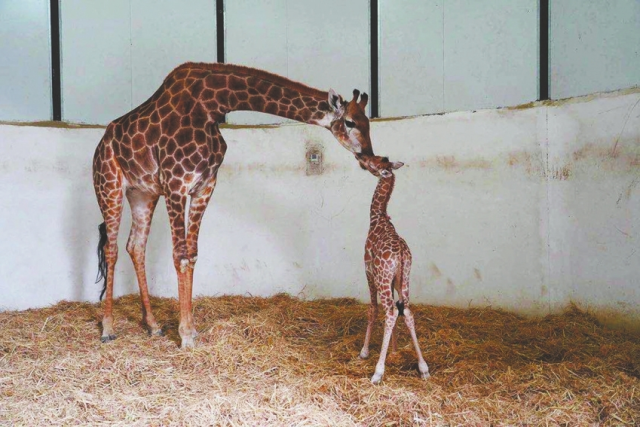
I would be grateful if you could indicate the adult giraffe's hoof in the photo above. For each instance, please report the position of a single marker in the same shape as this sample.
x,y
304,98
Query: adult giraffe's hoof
x,y
189,340
188,343
156,332
107,338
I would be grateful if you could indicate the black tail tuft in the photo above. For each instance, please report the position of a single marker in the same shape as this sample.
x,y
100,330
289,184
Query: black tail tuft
x,y
400,305
102,259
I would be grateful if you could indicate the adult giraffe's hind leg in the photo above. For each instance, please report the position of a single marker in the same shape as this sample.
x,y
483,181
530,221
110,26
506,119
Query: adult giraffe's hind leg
x,y
142,207
107,180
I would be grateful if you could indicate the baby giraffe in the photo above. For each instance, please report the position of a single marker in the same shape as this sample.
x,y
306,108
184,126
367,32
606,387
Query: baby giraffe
x,y
387,260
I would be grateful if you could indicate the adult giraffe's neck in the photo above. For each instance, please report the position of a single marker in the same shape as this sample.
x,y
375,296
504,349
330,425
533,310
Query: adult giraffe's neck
x,y
223,88
381,198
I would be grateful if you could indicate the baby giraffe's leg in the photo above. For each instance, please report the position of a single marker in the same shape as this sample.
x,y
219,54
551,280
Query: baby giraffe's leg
x,y
372,313
391,315
408,316
422,365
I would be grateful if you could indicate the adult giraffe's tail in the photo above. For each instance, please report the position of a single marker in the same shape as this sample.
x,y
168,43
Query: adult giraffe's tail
x,y
102,259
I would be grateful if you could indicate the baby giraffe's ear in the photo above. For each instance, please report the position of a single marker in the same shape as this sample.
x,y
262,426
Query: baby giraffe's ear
x,y
396,165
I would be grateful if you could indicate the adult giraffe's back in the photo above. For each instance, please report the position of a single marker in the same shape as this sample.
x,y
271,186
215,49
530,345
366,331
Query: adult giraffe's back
x,y
171,146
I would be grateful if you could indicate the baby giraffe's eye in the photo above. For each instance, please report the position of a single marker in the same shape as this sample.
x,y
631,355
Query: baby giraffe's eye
x,y
349,123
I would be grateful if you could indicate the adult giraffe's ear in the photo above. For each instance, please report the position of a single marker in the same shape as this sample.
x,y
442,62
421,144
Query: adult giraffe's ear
x,y
336,103
396,165
363,100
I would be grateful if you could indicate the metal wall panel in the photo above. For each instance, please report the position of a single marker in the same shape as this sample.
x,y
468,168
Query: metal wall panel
x,y
321,44
256,36
594,46
411,57
25,73
165,34
96,60
440,56
491,53
115,54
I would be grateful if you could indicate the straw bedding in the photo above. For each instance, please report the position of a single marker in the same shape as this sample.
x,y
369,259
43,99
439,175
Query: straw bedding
x,y
284,361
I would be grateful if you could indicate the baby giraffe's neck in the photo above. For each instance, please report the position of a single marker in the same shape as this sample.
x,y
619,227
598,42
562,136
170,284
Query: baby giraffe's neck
x,y
381,198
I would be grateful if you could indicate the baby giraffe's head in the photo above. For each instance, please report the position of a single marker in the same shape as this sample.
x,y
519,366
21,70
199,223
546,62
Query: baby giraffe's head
x,y
379,166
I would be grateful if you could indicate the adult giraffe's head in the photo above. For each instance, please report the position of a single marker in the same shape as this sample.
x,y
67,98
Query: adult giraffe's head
x,y
349,123
379,166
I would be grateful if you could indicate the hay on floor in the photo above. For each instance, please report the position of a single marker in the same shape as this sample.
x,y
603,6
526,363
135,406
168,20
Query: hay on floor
x,y
283,361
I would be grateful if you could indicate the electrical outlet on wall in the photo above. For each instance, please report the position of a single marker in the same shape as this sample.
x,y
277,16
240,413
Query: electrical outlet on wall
x,y
314,159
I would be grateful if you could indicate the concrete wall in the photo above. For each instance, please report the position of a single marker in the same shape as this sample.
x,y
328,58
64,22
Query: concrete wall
x,y
523,208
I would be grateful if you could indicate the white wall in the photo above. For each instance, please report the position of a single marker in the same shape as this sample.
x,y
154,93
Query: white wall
x,y
524,209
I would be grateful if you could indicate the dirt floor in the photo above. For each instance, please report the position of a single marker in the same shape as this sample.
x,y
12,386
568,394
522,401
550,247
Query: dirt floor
x,y
283,361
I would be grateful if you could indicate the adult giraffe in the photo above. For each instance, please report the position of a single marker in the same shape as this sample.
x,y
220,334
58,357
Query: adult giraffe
x,y
171,146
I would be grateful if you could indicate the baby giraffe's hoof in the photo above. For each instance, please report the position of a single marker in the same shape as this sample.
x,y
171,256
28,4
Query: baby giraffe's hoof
x,y
363,354
107,338
424,370
376,378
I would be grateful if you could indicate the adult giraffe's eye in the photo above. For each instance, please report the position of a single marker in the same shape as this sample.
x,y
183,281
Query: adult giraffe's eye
x,y
350,124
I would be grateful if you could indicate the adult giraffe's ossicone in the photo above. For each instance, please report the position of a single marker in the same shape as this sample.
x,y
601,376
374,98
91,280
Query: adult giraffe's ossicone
x,y
171,146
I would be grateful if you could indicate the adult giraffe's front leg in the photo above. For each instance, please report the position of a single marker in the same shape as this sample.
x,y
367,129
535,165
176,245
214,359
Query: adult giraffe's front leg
x,y
197,207
185,252
176,205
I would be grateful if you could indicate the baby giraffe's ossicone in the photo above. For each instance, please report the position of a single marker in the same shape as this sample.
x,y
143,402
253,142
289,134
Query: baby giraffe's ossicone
x,y
387,261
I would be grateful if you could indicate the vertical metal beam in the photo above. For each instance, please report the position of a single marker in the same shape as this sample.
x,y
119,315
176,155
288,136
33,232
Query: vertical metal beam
x,y
220,37
220,29
374,98
56,91
544,50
